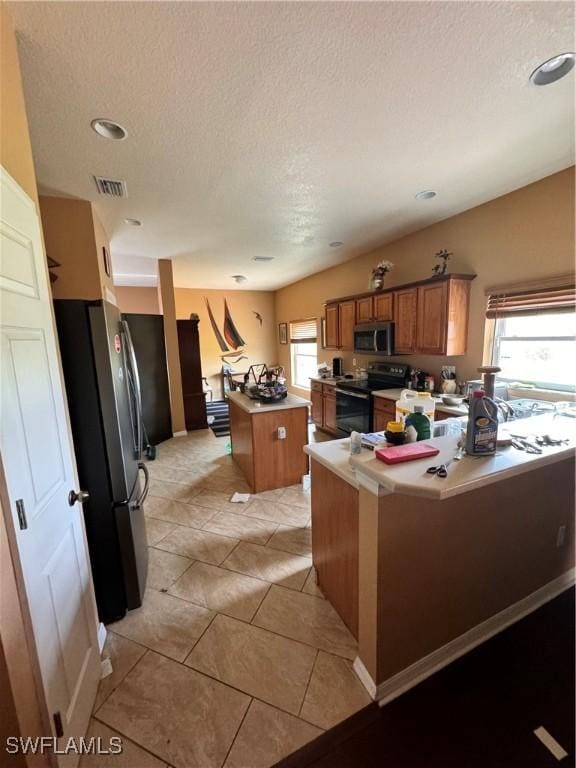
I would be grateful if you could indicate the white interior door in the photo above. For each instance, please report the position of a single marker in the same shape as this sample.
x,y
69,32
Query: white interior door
x,y
40,472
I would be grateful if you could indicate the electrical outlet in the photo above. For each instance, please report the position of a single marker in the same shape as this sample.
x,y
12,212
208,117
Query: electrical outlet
x,y
561,536
354,361
281,433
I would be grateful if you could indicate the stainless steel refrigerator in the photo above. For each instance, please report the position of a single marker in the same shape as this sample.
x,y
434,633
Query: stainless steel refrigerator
x,y
104,400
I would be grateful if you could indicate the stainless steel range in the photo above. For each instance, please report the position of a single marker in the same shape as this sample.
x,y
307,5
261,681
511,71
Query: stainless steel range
x,y
354,402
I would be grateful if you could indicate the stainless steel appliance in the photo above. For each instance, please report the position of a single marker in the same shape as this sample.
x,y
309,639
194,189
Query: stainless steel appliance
x,y
354,402
337,366
375,338
104,400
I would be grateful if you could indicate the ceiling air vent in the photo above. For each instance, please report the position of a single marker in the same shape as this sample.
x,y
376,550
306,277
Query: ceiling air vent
x,y
263,258
111,187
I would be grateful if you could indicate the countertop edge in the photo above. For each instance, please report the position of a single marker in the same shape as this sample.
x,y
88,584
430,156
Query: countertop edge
x,y
249,406
349,475
439,493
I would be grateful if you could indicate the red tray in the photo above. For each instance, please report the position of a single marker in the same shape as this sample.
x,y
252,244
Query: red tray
x,y
408,452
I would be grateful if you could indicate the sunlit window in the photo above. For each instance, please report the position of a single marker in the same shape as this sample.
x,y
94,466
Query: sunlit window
x,y
537,349
304,352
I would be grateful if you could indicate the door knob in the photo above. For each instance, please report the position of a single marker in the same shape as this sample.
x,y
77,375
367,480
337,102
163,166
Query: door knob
x,y
77,496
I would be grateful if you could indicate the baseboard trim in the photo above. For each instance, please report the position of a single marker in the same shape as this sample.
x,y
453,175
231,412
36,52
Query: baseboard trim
x,y
102,633
364,676
446,654
183,433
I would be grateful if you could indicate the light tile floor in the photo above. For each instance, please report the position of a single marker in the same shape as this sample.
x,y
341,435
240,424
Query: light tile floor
x,y
235,659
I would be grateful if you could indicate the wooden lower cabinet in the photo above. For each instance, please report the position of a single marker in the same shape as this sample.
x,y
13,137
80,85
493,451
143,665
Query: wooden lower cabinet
x,y
323,399
384,411
330,410
317,409
266,461
335,542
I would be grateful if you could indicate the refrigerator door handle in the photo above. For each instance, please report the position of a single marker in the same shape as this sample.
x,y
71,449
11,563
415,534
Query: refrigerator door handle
x,y
135,378
144,493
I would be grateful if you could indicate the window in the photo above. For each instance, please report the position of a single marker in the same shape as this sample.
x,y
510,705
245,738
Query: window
x,y
537,349
304,352
535,335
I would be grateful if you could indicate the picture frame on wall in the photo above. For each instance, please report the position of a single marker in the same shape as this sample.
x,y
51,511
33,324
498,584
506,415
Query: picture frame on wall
x,y
283,333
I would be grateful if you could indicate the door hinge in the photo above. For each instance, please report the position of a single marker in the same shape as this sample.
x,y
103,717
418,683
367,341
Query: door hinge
x,y
21,514
58,725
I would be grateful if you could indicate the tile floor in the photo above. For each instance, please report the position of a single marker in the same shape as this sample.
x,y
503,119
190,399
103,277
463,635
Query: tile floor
x,y
235,659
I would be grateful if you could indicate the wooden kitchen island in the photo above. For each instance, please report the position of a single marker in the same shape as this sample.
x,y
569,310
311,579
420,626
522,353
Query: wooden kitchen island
x,y
423,569
267,460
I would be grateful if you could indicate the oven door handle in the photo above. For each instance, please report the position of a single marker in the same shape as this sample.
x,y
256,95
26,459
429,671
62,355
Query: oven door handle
x,y
352,394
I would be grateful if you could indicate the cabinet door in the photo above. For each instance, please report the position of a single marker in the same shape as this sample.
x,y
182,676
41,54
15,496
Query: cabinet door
x,y
347,318
432,320
383,307
332,328
316,398
405,304
364,310
330,411
384,411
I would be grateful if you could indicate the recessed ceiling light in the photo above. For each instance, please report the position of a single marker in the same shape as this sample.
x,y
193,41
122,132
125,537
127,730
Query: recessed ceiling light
x,y
109,129
239,278
426,194
553,69
335,244
263,258
133,222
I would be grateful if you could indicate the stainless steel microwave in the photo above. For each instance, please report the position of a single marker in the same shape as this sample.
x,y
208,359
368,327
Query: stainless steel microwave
x,y
375,338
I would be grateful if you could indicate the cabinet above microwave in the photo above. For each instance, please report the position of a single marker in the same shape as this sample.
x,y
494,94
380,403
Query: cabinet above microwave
x,y
430,316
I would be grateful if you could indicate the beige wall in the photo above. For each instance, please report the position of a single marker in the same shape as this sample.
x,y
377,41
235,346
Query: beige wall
x,y
75,237
16,658
525,235
260,339
138,300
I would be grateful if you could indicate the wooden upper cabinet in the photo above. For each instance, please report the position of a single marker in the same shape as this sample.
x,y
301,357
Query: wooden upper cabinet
x,y
443,317
430,316
405,304
332,326
347,321
364,309
432,305
384,307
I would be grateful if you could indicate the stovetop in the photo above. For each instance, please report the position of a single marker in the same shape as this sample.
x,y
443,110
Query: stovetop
x,y
380,376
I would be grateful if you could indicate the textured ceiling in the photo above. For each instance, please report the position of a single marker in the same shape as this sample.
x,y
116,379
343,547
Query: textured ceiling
x,y
271,129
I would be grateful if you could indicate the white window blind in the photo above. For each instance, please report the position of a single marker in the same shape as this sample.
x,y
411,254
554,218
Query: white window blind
x,y
304,331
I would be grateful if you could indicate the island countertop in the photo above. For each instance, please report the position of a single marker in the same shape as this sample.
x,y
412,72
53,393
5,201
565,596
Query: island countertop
x,y
410,478
254,407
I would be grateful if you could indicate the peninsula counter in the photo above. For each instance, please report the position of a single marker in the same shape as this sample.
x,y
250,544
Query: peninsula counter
x,y
421,568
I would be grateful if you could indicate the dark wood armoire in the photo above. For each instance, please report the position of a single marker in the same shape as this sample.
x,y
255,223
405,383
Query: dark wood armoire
x,y
191,368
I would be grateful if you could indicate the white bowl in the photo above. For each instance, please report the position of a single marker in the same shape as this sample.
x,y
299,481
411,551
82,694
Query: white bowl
x,y
453,400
